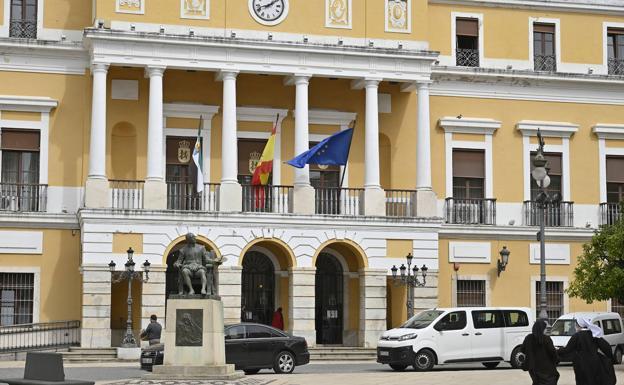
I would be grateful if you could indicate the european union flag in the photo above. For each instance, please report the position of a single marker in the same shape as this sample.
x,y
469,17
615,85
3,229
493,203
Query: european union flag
x,y
333,151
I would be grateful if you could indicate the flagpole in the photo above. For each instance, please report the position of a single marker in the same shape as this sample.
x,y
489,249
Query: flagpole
x,y
342,177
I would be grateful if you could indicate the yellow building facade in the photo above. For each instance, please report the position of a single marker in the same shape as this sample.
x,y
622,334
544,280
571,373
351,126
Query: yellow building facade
x,y
102,102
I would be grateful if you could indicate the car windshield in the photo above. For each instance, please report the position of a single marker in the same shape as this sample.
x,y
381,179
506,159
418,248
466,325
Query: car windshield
x,y
563,327
422,319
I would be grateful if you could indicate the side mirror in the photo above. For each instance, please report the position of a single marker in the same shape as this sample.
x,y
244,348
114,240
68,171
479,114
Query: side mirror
x,y
440,326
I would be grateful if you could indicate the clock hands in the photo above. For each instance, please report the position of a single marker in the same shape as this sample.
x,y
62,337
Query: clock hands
x,y
267,5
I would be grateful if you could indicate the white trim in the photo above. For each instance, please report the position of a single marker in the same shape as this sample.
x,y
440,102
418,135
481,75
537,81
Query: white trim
x,y
408,18
253,135
189,111
473,252
36,271
281,18
608,131
557,42
605,132
141,10
27,103
605,49
471,277
469,125
550,278
551,129
602,168
260,114
4,28
201,17
584,6
40,15
349,24
466,15
331,117
556,253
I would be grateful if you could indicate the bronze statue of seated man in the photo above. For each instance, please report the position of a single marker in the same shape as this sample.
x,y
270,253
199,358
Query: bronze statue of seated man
x,y
195,261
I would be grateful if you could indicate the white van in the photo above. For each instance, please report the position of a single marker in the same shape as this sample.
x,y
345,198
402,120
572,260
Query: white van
x,y
457,335
611,323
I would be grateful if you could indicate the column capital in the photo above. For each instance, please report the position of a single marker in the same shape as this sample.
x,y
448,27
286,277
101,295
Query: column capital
x,y
99,67
151,71
297,79
424,85
226,75
358,84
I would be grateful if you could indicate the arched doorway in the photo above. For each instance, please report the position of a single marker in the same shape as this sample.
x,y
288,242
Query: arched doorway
x,y
329,300
257,288
172,274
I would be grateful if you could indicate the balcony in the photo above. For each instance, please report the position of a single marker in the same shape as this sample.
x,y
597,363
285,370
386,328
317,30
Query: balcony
x,y
470,211
182,196
559,214
610,213
339,201
616,66
23,197
23,29
545,63
267,199
401,203
127,194
466,57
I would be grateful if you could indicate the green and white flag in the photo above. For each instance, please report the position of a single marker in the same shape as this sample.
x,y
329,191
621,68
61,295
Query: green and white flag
x,y
196,165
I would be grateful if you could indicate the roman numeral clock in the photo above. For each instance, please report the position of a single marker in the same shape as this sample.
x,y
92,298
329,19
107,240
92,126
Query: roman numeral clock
x,y
268,12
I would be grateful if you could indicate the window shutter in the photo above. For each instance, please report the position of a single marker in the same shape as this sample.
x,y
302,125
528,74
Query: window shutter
x,y
467,27
468,164
615,169
20,140
545,28
554,164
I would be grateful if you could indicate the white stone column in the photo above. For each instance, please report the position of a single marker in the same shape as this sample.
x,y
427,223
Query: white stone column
x,y
96,307
155,190
426,200
374,196
230,195
302,304
97,191
372,306
230,283
153,295
303,199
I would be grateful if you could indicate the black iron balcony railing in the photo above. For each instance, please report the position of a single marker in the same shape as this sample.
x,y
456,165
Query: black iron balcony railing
x,y
616,66
23,29
339,201
267,199
467,57
546,63
127,194
401,203
183,196
470,211
610,213
39,336
23,197
559,214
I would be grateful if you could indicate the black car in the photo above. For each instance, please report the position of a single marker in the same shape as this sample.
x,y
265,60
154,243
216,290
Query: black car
x,y
250,347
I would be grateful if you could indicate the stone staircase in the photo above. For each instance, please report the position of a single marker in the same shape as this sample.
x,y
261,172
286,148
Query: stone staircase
x,y
342,353
76,355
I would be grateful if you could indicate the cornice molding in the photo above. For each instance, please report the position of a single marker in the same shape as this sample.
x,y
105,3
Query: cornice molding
x,y
586,6
331,117
609,131
551,129
27,103
260,114
189,111
466,125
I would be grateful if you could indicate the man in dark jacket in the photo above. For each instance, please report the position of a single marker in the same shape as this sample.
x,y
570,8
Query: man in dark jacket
x,y
153,331
540,356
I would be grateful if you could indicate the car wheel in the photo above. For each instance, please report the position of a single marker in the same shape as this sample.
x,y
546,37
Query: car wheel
x,y
490,365
617,357
284,363
398,368
424,360
251,371
517,358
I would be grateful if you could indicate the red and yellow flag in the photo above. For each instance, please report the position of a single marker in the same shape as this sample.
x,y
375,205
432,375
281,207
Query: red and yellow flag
x,y
265,165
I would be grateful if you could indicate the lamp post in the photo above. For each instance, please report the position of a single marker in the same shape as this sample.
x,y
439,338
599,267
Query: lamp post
x,y
410,280
543,199
129,273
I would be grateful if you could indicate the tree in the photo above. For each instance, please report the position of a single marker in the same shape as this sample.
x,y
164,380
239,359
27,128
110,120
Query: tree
x,y
599,273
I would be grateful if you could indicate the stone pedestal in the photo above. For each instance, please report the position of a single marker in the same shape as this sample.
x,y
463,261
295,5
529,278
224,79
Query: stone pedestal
x,y
303,200
194,342
97,193
374,202
426,203
230,198
155,195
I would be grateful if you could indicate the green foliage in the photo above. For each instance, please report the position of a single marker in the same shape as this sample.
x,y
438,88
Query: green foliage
x,y
599,274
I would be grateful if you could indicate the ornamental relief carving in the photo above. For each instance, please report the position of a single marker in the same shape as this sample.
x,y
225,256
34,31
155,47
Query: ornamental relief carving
x,y
398,15
130,6
338,13
194,9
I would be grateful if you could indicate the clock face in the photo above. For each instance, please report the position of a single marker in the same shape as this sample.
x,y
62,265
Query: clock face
x,y
268,12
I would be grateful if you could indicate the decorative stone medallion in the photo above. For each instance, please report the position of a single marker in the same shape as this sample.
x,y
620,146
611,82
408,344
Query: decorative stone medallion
x,y
398,16
189,327
195,9
338,13
130,6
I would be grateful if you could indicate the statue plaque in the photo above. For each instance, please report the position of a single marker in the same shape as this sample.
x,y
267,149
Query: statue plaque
x,y
189,330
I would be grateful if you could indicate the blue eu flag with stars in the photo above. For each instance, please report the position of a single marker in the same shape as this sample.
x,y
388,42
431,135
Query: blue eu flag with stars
x,y
333,151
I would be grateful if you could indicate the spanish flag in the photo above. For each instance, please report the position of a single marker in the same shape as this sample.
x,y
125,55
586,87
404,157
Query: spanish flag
x,y
265,165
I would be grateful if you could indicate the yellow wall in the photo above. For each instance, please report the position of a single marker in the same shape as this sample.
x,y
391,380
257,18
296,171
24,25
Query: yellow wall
x,y
59,264
68,14
396,308
119,308
122,241
21,115
353,321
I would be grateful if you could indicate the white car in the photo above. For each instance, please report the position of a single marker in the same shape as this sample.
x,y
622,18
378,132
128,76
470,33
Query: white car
x,y
457,335
611,323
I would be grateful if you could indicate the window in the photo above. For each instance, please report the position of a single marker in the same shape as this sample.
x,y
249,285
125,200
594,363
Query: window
x,y
16,298
23,22
326,182
235,332
487,319
615,179
617,306
615,51
19,181
611,326
515,318
452,321
467,41
554,172
470,293
558,213
544,57
181,194
254,331
554,300
468,174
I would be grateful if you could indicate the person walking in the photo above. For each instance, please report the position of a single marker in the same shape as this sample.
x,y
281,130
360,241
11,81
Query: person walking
x,y
278,319
540,356
591,355
153,331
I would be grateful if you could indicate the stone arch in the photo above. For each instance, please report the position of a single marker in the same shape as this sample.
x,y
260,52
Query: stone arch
x,y
278,248
210,245
346,248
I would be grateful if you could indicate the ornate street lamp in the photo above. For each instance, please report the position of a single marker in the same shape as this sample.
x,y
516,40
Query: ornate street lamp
x,y
410,280
502,263
129,341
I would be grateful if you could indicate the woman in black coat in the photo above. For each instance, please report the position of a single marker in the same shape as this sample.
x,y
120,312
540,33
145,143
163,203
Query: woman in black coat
x,y
540,356
591,355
